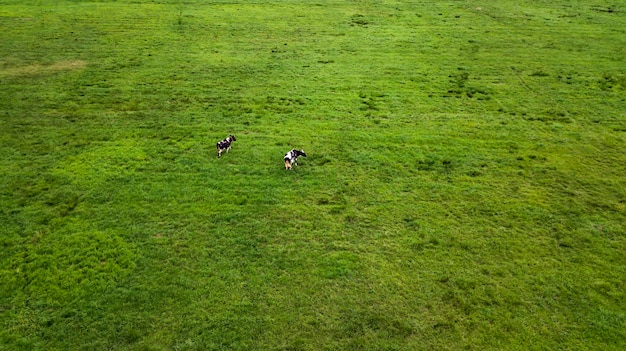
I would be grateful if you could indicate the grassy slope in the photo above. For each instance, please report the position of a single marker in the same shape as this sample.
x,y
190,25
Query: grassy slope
x,y
464,186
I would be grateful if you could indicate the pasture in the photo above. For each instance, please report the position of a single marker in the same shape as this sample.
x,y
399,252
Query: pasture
x,y
464,186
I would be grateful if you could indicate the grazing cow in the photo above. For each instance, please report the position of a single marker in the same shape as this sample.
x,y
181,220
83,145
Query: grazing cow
x,y
224,145
291,158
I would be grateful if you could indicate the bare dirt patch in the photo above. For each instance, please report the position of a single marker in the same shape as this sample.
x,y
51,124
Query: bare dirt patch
x,y
41,69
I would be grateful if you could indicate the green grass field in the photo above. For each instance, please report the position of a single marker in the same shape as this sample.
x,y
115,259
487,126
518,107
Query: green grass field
x,y
465,185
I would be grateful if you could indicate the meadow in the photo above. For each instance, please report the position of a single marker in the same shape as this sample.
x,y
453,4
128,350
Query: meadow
x,y
465,185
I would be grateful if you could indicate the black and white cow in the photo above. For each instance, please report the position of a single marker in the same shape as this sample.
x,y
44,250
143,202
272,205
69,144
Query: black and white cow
x,y
224,145
291,158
